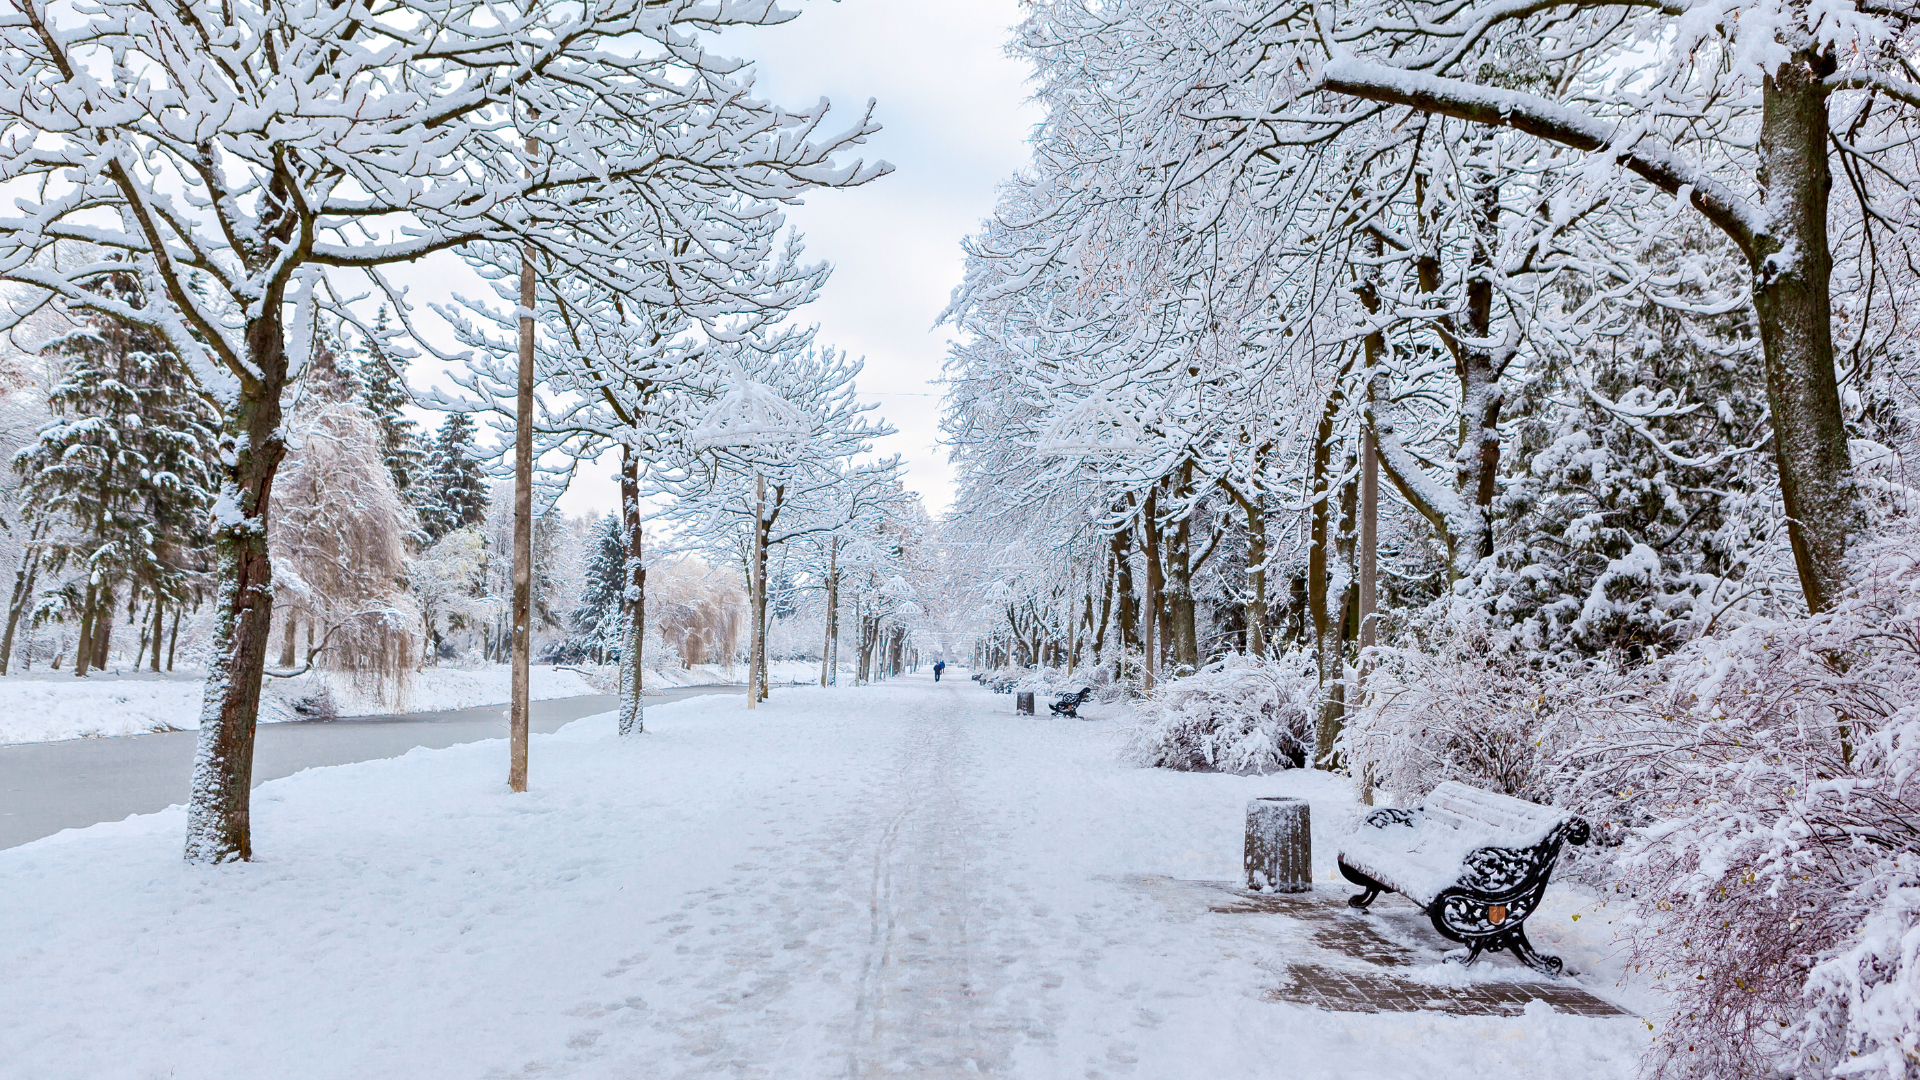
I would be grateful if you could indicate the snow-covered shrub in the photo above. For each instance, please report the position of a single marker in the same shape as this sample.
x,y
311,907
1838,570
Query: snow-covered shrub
x,y
1476,711
1052,680
1241,714
1781,882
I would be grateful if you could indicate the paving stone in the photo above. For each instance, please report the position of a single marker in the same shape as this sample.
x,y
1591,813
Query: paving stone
x,y
1377,991
1334,932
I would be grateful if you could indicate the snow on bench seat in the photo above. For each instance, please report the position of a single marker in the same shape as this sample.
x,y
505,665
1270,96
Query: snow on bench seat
x,y
1476,861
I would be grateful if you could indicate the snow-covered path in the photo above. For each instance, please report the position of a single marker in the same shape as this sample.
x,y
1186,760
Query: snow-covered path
x,y
901,880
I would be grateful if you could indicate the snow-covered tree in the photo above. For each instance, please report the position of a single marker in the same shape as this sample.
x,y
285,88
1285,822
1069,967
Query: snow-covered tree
x,y
453,483
400,131
383,376
449,583
120,482
597,624
771,459
339,541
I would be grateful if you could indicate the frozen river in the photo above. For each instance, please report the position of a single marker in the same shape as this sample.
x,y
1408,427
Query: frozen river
x,y
50,786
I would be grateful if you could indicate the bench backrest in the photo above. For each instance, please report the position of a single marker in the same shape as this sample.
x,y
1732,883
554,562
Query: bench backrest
x,y
1471,809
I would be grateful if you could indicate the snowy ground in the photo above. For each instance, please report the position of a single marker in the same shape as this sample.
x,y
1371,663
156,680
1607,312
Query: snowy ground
x,y
782,672
900,880
41,706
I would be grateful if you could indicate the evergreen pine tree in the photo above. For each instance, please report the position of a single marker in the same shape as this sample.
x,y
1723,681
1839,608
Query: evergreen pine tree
x,y
124,475
456,489
329,379
597,621
383,379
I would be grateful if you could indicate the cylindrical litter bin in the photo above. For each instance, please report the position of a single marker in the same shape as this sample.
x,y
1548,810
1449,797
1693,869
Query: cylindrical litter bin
x,y
1023,702
1279,854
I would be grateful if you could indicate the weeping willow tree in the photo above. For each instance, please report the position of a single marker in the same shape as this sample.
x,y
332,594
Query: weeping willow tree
x,y
338,543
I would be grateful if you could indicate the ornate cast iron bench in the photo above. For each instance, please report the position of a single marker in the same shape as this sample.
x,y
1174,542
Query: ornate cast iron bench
x,y
1070,704
1475,861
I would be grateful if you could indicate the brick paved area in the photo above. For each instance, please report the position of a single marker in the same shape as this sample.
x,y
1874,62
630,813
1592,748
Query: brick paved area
x,y
1341,961
1378,991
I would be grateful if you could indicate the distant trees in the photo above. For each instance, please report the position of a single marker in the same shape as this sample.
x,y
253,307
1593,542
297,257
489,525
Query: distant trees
x,y
399,131
339,540
119,485
448,582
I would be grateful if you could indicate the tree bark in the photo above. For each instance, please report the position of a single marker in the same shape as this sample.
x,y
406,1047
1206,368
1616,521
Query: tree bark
x,y
757,612
521,602
24,579
633,603
103,628
1375,350
159,629
287,659
1792,297
1106,611
83,649
1183,634
1150,547
1333,642
218,814
146,625
827,666
1128,605
1477,461
1319,551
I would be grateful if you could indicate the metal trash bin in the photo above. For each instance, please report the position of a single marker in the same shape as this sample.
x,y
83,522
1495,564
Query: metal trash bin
x,y
1023,702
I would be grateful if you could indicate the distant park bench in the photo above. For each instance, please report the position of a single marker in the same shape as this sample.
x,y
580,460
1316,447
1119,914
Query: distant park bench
x,y
1070,704
1477,862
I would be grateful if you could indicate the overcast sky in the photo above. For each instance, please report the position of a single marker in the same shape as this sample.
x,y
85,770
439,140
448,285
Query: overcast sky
x,y
956,117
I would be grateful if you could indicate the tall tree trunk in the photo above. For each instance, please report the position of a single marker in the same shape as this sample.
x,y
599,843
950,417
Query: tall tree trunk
x,y
218,814
1256,606
1128,604
287,659
1792,297
521,601
1183,636
173,638
1153,602
1329,600
1375,350
103,628
146,626
83,648
1106,610
1477,461
24,580
1320,543
633,601
757,612
827,666
159,629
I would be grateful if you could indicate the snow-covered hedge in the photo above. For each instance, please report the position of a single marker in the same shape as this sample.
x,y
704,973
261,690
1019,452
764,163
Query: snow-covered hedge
x,y
1476,711
1783,876
1241,715
1757,799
